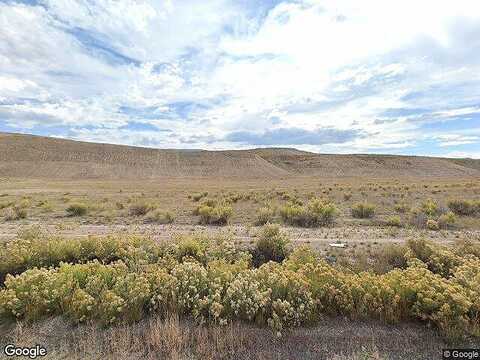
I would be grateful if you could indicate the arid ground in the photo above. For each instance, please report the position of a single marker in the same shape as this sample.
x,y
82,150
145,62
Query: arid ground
x,y
63,189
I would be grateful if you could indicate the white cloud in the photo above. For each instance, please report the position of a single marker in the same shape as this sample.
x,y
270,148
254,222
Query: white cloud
x,y
306,64
456,139
463,154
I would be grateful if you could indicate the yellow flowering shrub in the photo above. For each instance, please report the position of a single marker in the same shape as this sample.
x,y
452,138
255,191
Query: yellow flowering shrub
x,y
467,276
163,287
205,249
27,252
316,213
439,259
291,302
208,279
246,297
427,296
30,295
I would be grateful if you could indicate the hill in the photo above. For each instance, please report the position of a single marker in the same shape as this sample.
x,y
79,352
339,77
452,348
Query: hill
x,y
27,156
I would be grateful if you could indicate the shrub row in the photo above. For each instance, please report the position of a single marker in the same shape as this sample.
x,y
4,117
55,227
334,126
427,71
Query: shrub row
x,y
124,279
34,249
279,295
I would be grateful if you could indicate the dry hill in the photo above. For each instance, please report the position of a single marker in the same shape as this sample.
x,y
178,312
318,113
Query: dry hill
x,y
26,156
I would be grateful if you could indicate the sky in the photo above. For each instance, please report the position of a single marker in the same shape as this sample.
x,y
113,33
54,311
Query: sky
x,y
328,76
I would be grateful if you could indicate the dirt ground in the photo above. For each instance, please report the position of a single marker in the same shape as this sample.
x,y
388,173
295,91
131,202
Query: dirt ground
x,y
108,213
108,203
173,338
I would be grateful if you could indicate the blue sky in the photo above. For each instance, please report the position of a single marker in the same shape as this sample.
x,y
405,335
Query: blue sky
x,y
333,76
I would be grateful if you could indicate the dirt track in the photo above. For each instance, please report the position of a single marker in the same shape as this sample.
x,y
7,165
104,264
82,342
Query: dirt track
x,y
317,238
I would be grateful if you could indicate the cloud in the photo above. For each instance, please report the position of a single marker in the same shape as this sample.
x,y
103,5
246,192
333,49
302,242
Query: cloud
x,y
294,136
456,139
328,75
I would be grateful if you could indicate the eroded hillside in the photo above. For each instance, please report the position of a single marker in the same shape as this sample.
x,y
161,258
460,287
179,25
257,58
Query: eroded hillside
x,y
26,156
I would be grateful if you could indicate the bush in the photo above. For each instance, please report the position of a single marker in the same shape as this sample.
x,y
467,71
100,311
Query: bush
x,y
264,215
315,213
159,217
76,210
140,208
432,225
430,208
212,282
438,258
33,248
464,207
215,215
446,221
363,210
401,208
15,213
271,245
190,247
206,202
389,257
394,221
300,257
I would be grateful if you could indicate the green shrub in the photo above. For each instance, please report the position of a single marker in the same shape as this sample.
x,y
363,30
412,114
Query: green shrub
x,y
159,217
271,244
233,198
33,248
464,207
394,221
446,221
363,210
190,247
301,256
206,202
77,209
206,249
215,215
401,208
264,215
315,213
430,208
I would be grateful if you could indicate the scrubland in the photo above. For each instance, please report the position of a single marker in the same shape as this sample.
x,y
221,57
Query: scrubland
x,y
245,269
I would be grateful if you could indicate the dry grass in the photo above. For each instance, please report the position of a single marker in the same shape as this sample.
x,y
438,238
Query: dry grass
x,y
173,338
